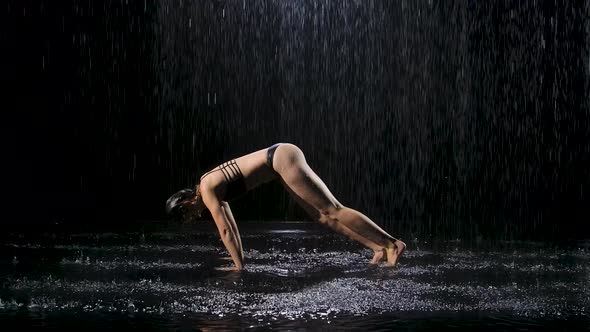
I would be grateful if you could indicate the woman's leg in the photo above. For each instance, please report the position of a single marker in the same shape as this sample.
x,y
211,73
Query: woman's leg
x,y
311,192
339,228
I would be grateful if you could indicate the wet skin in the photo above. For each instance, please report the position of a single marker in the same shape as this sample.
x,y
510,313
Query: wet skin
x,y
306,188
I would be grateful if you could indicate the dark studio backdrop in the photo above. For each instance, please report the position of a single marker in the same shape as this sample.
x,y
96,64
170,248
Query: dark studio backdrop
x,y
449,118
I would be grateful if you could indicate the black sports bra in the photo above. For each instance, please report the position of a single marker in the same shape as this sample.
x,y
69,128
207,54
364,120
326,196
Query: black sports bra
x,y
234,179
235,189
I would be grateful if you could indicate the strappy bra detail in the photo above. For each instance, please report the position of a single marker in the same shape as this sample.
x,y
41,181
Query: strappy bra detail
x,y
235,184
234,179
231,171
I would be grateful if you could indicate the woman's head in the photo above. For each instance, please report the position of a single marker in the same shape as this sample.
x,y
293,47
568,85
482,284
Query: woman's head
x,y
186,204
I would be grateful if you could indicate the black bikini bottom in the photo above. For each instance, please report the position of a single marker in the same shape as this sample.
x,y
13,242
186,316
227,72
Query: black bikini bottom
x,y
270,153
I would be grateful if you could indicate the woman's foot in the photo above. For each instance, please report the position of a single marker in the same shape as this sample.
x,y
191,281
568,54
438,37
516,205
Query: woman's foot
x,y
394,253
378,257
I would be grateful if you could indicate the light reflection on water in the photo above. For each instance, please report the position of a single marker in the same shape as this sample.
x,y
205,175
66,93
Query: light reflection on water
x,y
293,278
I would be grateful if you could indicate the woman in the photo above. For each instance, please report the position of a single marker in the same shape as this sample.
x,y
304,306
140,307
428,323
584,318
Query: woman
x,y
285,162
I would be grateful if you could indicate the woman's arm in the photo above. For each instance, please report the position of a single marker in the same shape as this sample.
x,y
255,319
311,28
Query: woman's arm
x,y
234,226
230,239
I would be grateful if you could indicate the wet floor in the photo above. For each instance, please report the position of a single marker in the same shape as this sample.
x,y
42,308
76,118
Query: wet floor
x,y
297,276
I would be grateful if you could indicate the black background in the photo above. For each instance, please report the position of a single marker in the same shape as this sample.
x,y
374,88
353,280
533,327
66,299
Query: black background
x,y
454,119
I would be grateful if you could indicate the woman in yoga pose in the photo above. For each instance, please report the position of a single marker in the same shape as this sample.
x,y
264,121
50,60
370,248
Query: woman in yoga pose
x,y
285,162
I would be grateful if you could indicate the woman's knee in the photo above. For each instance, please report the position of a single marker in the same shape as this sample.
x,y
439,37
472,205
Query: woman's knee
x,y
331,211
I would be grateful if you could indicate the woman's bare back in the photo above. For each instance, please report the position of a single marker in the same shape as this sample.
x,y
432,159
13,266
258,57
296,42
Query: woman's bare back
x,y
252,168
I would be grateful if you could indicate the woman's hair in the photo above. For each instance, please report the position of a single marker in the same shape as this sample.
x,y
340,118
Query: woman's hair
x,y
175,203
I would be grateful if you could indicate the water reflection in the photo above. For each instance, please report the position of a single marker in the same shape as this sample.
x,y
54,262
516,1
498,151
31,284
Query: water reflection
x,y
298,277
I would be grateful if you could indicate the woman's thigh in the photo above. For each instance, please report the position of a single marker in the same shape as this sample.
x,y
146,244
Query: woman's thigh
x,y
301,180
